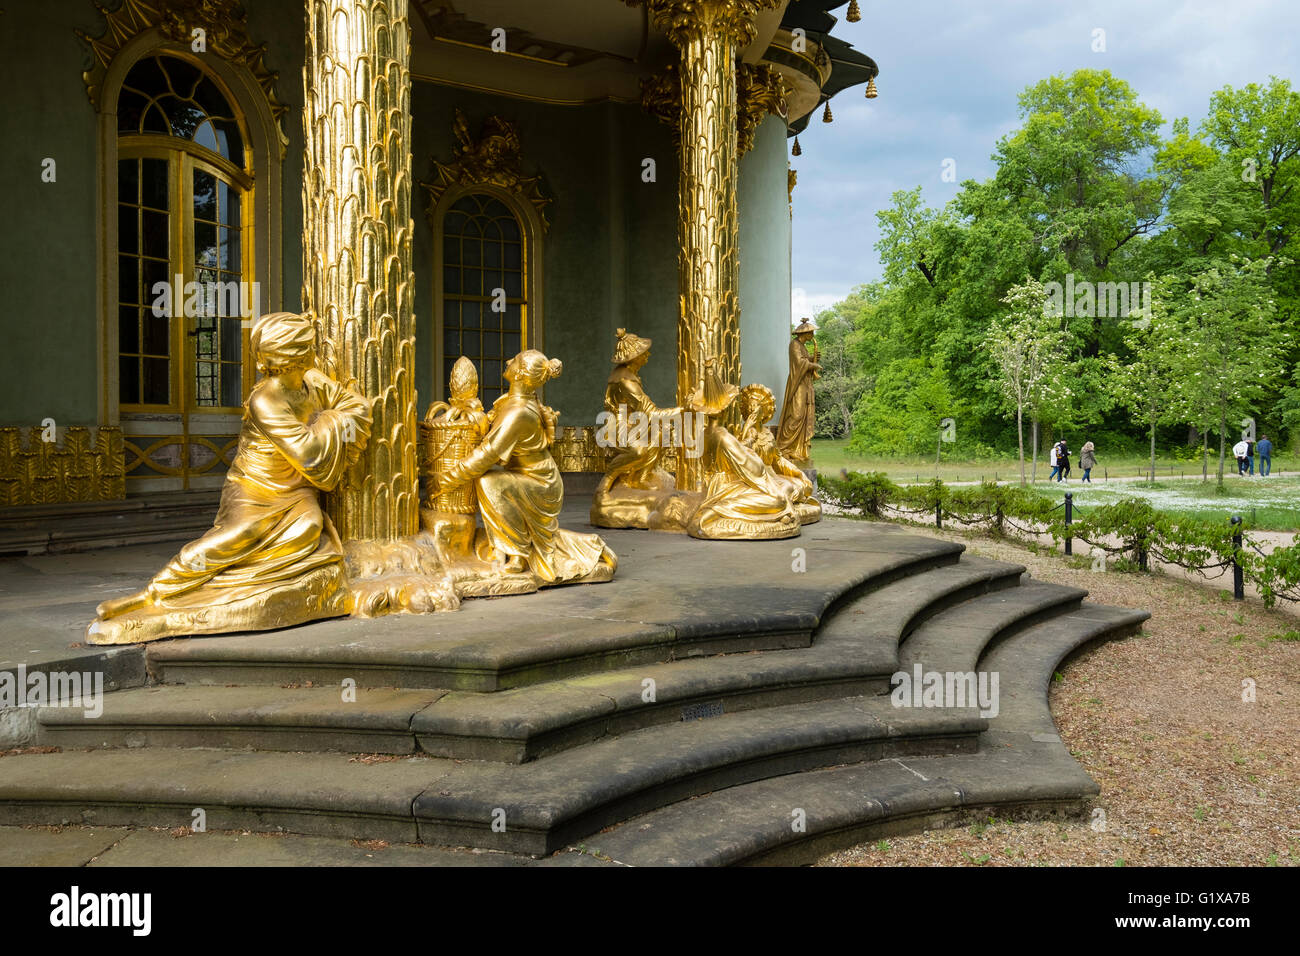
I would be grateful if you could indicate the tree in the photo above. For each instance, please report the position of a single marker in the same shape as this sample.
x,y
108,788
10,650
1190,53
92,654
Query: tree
x,y
1147,381
1232,344
1027,347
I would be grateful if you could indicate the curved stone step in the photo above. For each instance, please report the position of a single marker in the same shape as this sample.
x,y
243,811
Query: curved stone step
x,y
853,654
954,640
1035,654
543,804
368,720
800,817
661,611
1022,769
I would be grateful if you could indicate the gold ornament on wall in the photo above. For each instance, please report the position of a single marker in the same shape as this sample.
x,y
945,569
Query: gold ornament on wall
x,y
492,159
225,26
761,91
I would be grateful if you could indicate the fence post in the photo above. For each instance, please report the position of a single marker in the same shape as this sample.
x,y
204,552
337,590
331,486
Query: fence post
x,y
1069,516
938,514
1238,585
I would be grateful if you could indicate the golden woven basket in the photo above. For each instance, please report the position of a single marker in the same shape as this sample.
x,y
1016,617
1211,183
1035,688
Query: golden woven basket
x,y
443,444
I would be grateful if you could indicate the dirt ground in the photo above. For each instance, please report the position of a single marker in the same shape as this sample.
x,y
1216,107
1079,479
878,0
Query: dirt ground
x,y
1190,728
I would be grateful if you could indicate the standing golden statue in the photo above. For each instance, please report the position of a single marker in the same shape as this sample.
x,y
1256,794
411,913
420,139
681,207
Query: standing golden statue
x,y
744,498
798,410
519,490
635,485
272,558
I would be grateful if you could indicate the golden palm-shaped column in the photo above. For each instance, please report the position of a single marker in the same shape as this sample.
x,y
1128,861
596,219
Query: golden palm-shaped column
x,y
357,270
708,34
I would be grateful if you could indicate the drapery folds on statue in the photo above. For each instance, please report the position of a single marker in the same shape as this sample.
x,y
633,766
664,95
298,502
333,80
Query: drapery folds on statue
x,y
272,558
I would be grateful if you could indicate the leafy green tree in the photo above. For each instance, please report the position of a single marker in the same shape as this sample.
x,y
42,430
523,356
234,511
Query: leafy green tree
x,y
1146,381
901,414
1028,350
1231,344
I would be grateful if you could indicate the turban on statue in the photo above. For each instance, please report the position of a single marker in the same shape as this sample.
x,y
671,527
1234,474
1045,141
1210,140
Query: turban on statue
x,y
283,339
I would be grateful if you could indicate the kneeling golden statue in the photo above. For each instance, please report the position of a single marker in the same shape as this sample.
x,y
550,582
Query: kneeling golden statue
x,y
517,488
636,491
272,558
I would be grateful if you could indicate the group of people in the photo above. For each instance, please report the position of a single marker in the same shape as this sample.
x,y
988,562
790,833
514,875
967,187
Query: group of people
x,y
1245,451
1059,459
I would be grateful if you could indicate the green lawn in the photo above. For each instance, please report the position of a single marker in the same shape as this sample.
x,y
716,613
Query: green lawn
x,y
832,456
1274,502
1270,504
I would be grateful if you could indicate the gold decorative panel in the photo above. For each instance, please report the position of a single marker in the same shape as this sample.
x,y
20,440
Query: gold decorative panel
x,y
86,466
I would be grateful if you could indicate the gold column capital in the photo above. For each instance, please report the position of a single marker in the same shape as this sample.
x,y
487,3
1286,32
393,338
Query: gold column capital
x,y
760,90
684,20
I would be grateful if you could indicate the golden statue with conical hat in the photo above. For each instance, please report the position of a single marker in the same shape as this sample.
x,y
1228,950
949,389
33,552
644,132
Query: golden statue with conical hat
x,y
635,487
272,558
799,409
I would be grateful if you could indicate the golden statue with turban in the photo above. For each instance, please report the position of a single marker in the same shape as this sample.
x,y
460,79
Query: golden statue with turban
x,y
519,489
272,558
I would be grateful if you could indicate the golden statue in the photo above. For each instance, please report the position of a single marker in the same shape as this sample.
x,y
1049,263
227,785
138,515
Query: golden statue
x,y
798,410
519,491
635,487
757,405
744,498
272,558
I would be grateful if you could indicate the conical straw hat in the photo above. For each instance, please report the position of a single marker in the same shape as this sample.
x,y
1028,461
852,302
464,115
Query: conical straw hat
x,y
629,346
712,397
804,326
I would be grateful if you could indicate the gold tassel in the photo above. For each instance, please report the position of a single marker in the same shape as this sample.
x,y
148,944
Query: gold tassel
x,y
827,117
871,89
798,150
854,13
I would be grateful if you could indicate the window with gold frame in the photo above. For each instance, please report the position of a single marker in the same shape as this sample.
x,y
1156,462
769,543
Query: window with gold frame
x,y
184,194
484,286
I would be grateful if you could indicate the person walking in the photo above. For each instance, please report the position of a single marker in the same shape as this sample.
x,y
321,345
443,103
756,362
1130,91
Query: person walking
x,y
1063,456
1239,450
1088,460
1265,449
1053,458
1250,458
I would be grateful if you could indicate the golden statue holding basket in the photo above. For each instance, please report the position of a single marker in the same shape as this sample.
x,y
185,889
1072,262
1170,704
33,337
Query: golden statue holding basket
x,y
498,465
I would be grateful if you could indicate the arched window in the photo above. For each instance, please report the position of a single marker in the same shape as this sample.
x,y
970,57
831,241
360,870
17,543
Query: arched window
x,y
484,289
184,178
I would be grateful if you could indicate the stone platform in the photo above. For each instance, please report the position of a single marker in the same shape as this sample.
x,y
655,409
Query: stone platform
x,y
711,705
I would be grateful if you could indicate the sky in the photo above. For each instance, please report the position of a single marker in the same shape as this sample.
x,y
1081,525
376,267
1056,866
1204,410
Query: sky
x,y
950,75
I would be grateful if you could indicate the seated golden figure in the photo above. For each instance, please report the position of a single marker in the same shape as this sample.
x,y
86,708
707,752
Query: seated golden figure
x,y
519,488
757,405
635,485
272,558
743,497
